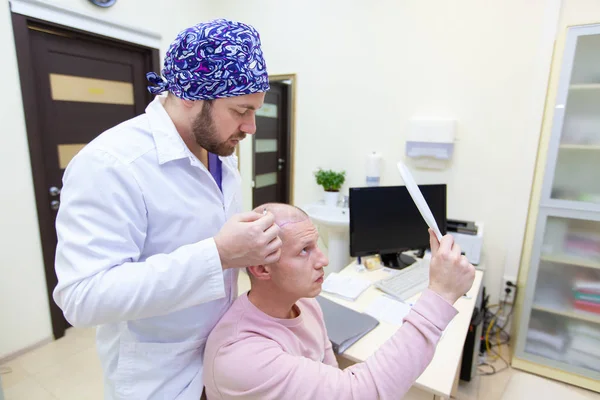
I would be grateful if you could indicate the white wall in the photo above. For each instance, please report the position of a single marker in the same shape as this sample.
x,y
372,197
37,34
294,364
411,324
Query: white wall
x,y
362,77
24,313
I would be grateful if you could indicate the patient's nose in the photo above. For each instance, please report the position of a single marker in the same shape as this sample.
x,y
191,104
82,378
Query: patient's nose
x,y
322,260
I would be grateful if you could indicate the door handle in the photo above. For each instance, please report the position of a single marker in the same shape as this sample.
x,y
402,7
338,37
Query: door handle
x,y
54,205
54,191
281,161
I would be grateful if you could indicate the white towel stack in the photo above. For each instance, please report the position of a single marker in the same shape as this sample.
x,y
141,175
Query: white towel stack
x,y
584,346
546,339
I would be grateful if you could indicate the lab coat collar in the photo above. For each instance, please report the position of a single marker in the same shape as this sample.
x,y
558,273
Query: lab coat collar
x,y
169,144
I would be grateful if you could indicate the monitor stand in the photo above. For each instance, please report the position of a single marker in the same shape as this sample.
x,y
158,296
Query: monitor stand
x,y
397,260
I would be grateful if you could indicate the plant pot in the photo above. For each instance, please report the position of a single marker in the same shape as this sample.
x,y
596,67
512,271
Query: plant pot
x,y
331,198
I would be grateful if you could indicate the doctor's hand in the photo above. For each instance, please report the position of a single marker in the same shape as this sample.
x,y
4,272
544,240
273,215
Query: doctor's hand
x,y
450,274
249,239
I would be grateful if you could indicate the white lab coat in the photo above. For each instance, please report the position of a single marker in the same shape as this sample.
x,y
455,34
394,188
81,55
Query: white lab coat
x,y
136,255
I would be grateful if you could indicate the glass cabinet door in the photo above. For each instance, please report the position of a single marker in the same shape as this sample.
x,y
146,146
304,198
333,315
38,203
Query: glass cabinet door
x,y
577,168
564,323
559,319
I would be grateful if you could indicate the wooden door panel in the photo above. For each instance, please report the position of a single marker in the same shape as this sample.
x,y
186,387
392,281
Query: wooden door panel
x,y
264,163
58,127
265,195
97,118
269,127
270,148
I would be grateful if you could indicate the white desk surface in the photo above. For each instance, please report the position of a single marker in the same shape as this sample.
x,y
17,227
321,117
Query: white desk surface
x,y
440,375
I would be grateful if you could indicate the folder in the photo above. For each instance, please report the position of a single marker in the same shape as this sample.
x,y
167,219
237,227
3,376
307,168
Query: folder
x,y
344,325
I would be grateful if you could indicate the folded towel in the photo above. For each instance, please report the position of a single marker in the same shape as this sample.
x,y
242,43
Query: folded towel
x,y
541,349
582,244
586,345
588,291
586,296
582,359
556,341
587,306
587,281
580,328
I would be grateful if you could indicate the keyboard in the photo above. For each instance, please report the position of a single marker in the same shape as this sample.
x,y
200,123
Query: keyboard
x,y
407,282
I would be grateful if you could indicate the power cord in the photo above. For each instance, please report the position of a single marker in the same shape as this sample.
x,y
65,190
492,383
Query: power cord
x,y
494,370
494,329
512,306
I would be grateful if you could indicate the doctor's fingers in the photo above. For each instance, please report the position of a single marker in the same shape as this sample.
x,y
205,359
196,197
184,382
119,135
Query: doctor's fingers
x,y
265,221
273,257
271,233
273,245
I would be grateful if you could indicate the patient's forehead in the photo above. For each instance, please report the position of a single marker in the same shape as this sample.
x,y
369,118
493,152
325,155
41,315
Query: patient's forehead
x,y
298,233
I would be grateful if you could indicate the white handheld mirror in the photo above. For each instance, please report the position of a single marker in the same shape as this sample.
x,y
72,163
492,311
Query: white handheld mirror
x,y
419,200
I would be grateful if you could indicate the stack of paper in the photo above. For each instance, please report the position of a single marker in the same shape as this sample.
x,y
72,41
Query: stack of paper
x,y
386,309
345,286
392,311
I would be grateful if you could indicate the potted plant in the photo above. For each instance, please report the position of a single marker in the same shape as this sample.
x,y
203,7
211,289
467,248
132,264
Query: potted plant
x,y
331,181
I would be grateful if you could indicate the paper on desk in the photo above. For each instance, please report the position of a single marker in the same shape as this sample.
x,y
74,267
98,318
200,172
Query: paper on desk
x,y
345,286
386,309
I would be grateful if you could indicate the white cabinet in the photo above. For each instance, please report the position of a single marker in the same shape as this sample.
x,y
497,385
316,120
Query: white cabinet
x,y
558,324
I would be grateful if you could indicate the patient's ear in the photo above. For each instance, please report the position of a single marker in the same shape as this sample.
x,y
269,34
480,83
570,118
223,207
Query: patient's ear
x,y
260,272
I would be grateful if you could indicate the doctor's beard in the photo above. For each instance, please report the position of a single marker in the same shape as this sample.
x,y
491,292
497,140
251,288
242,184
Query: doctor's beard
x,y
205,133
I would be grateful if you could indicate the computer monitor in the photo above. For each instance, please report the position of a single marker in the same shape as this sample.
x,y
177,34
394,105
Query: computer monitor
x,y
385,221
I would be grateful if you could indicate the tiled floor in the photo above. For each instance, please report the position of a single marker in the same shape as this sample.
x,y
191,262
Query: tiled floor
x,y
68,369
511,384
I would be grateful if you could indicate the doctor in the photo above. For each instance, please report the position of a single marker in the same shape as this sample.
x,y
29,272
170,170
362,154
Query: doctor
x,y
150,237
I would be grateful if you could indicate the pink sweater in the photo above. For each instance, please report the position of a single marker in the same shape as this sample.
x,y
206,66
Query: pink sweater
x,y
250,355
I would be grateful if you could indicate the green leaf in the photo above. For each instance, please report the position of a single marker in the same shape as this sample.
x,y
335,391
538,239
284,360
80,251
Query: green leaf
x,y
330,180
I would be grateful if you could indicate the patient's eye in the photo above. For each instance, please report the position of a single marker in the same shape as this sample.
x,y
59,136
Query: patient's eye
x,y
304,251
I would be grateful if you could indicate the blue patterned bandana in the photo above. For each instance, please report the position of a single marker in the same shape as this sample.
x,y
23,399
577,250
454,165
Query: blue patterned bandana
x,y
213,60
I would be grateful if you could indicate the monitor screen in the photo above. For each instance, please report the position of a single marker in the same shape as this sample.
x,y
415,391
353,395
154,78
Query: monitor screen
x,y
385,219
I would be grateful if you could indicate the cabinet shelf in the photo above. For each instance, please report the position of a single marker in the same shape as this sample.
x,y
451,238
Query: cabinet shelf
x,y
590,147
570,312
570,260
585,86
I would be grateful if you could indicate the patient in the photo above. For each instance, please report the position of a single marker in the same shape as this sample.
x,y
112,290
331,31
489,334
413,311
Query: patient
x,y
272,343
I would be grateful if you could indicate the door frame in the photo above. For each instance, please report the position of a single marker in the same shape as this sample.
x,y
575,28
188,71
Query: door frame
x,y
291,133
84,22
22,24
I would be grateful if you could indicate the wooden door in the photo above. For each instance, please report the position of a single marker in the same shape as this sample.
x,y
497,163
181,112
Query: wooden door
x,y
271,147
75,86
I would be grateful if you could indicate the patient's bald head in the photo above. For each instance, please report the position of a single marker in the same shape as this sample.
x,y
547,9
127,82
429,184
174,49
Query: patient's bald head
x,y
301,264
284,213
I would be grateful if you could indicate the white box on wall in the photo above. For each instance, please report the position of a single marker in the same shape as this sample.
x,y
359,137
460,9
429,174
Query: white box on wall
x,y
430,142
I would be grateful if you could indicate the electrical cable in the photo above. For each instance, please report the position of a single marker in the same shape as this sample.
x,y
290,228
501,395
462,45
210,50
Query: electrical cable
x,y
494,329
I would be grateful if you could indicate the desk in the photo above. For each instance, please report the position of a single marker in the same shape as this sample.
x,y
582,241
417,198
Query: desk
x,y
440,378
